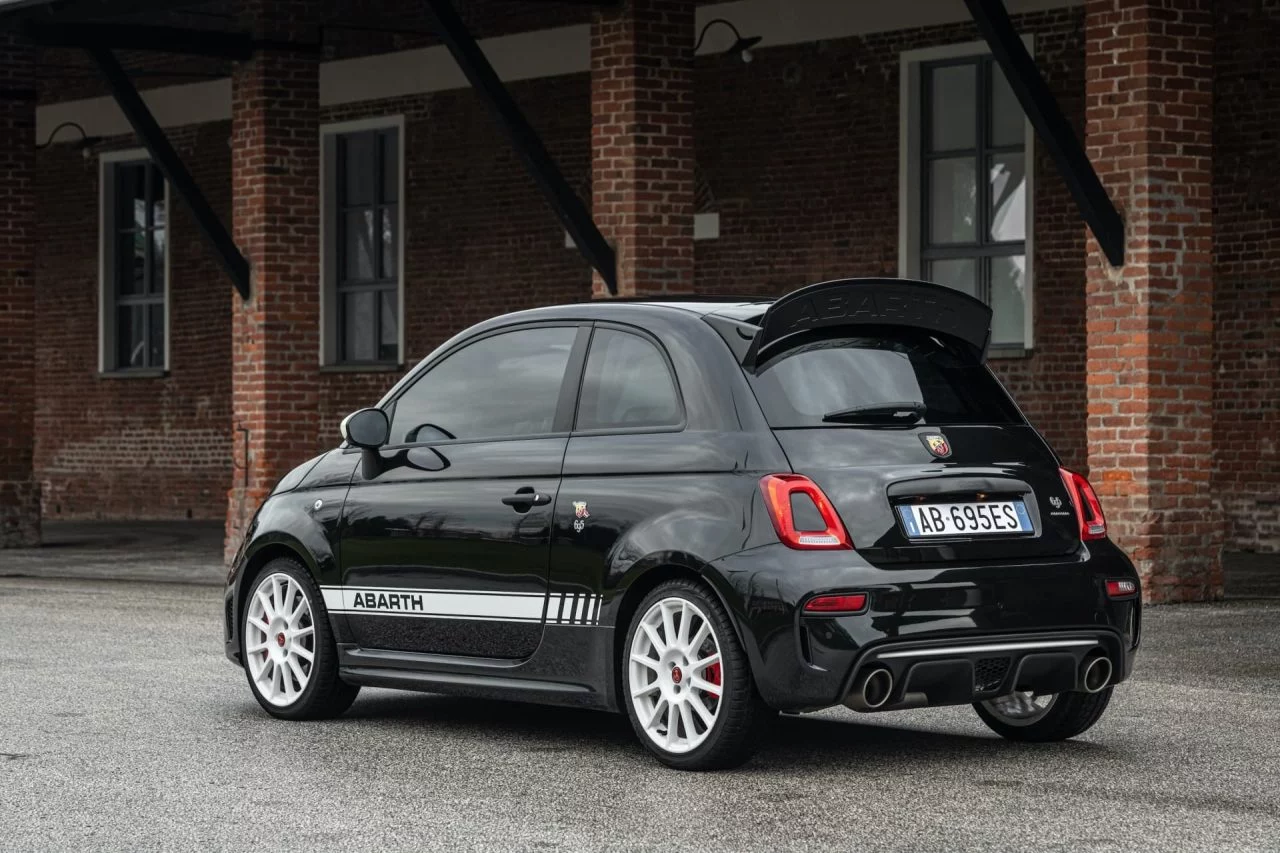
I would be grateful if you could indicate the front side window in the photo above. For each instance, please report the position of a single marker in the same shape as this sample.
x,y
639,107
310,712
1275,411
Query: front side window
x,y
973,206
503,386
134,268
362,255
627,385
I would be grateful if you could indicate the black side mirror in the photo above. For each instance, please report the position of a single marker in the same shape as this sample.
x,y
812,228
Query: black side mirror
x,y
367,428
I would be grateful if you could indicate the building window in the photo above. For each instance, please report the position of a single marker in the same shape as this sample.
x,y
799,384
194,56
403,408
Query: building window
x,y
135,265
969,222
363,244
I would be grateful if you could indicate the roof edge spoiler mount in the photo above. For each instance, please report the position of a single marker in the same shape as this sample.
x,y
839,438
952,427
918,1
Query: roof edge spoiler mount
x,y
872,301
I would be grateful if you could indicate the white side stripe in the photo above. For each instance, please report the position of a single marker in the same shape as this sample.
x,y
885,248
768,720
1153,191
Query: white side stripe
x,y
559,608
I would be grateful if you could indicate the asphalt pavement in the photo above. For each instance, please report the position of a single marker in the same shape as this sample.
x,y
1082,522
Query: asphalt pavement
x,y
122,727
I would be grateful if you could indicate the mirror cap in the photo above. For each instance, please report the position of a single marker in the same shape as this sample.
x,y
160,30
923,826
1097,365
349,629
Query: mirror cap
x,y
366,428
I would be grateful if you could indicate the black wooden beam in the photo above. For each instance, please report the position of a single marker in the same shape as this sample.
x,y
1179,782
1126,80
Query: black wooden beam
x,y
566,204
1051,126
90,35
171,166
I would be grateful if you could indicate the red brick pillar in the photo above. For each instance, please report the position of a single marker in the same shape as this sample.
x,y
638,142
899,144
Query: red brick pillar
x,y
642,142
275,169
1149,90
19,491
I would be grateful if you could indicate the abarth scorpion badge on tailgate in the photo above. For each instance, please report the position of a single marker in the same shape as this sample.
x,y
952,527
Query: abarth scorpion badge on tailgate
x,y
936,444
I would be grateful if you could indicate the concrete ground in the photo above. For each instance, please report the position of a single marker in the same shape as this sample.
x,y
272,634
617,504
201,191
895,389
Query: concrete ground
x,y
122,727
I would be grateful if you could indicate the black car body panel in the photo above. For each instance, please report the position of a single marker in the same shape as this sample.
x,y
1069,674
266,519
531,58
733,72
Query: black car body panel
x,y
439,576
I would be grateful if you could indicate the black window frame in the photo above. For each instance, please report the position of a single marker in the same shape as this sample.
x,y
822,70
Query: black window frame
x,y
983,249
678,426
152,298
566,403
382,284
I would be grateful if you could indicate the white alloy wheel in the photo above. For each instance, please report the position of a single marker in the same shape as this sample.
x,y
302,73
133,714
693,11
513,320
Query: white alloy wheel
x,y
676,677
1021,708
279,639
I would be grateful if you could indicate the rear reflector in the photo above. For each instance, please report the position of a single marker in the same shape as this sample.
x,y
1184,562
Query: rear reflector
x,y
851,603
778,489
1122,588
1093,525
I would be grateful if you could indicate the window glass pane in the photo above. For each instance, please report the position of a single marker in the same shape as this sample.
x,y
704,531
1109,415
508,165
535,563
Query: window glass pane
x,y
1008,300
157,244
131,248
953,201
1007,184
130,333
388,328
357,243
358,343
627,384
1006,113
503,386
953,100
358,167
834,374
389,251
960,273
390,165
131,194
155,346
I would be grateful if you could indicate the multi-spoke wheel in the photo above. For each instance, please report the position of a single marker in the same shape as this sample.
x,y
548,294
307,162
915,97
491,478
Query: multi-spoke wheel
x,y
675,674
1028,716
279,639
688,688
287,648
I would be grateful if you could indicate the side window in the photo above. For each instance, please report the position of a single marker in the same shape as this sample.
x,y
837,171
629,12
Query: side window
x,y
627,385
502,386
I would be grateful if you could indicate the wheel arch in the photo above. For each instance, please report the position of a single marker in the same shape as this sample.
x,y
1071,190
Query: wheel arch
x,y
648,575
263,552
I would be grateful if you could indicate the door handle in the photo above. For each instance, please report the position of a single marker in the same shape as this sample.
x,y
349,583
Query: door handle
x,y
529,498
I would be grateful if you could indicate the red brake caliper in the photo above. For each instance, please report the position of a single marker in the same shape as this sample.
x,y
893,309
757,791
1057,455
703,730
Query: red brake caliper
x,y
713,675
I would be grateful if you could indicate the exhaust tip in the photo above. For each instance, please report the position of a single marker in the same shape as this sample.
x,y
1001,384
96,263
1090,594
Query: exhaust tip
x,y
1095,674
876,687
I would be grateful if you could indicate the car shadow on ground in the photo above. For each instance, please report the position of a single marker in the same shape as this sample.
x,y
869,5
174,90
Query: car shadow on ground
x,y
812,742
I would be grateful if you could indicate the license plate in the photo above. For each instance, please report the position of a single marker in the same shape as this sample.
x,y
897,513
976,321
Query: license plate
x,y
972,519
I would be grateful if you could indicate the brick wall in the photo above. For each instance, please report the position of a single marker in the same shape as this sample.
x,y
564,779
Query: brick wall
x,y
1246,201
150,447
799,150
19,493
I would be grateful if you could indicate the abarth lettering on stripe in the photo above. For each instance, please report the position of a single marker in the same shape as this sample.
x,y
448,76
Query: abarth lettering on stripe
x,y
560,608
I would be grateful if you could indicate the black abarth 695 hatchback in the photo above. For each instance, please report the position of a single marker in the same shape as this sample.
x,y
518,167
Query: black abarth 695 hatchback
x,y
698,513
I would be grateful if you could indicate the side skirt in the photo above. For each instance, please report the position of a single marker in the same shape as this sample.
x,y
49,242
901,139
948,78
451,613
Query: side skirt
x,y
572,666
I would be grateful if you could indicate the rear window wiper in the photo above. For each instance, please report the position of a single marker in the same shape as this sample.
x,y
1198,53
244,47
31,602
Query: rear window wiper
x,y
895,413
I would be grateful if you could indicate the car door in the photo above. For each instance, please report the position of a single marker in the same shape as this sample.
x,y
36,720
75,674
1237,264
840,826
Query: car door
x,y
445,550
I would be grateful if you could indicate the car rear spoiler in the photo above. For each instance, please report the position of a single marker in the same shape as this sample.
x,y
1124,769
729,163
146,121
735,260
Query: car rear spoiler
x,y
871,301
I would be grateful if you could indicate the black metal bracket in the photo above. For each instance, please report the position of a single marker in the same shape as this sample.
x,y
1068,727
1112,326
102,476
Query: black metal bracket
x,y
568,207
1051,126
171,166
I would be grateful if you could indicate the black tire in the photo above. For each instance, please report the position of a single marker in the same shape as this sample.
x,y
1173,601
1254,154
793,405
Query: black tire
x,y
325,695
1071,714
742,717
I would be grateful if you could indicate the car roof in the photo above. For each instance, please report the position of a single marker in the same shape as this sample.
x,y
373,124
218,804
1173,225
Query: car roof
x,y
743,308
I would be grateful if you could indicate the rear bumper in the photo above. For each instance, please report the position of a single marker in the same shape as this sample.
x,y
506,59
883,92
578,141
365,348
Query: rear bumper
x,y
941,627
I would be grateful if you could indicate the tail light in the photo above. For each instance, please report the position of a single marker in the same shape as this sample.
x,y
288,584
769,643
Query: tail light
x,y
779,489
1093,525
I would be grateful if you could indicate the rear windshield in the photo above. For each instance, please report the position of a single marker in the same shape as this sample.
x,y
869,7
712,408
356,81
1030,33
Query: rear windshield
x,y
819,383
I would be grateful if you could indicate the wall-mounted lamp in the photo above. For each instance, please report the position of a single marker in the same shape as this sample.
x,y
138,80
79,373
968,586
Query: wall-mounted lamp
x,y
742,45
86,141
